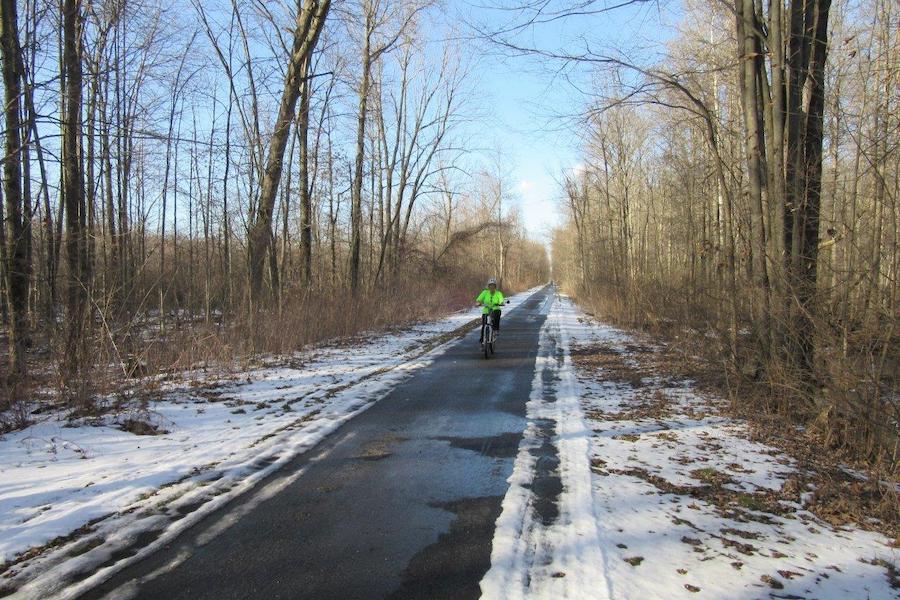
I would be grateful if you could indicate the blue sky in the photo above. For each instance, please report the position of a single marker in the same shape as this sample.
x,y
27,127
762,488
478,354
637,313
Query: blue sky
x,y
533,102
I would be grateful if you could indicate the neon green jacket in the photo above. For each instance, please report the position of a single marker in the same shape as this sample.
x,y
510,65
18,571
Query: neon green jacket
x,y
490,301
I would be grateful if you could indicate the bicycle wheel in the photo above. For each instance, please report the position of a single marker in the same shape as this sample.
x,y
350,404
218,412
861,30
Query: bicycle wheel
x,y
488,333
492,347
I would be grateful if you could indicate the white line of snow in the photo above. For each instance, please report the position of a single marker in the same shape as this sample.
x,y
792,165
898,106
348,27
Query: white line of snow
x,y
579,551
514,544
564,558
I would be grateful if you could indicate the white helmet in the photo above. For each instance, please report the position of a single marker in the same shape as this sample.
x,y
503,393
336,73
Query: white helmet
x,y
492,281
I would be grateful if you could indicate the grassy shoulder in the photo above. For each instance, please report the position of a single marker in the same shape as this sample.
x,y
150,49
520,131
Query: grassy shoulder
x,y
130,357
849,488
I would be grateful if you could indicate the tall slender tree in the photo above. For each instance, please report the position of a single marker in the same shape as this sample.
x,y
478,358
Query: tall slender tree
x,y
73,186
16,267
310,21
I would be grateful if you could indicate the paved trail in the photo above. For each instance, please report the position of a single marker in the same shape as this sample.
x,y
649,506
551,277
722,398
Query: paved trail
x,y
399,503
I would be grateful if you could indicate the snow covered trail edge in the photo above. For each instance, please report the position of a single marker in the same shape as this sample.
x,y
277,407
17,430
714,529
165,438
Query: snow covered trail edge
x,y
633,485
79,503
546,543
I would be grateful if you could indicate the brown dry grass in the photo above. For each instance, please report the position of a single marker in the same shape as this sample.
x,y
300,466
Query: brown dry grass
x,y
839,499
124,361
851,406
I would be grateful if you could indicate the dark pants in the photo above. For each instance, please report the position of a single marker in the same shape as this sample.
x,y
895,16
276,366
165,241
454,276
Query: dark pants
x,y
495,322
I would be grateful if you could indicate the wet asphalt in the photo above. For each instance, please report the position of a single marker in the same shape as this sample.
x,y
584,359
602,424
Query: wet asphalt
x,y
398,503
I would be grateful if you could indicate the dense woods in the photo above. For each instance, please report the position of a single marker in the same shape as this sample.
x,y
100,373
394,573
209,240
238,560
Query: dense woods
x,y
192,181
740,194
241,243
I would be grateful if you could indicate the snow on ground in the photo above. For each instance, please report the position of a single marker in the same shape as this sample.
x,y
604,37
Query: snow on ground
x,y
682,503
105,489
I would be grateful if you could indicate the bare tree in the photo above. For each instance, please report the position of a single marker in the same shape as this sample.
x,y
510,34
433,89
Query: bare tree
x,y
377,14
310,20
16,268
79,272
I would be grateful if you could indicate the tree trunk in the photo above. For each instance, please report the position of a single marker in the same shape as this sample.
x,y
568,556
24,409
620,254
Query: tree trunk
x,y
356,196
310,20
754,144
15,269
305,191
73,187
807,219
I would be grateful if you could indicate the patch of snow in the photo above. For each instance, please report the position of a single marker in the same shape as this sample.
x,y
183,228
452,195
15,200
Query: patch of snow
x,y
863,477
658,531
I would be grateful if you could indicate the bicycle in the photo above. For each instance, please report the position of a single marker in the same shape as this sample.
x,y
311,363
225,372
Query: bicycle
x,y
490,336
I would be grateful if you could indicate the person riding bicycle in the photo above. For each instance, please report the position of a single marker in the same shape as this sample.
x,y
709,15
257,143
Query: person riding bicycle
x,y
491,299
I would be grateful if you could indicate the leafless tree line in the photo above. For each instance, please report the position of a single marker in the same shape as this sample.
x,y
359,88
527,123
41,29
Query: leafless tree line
x,y
248,170
745,186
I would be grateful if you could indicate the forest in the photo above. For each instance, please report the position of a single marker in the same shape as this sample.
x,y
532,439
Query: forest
x,y
739,195
501,299
197,182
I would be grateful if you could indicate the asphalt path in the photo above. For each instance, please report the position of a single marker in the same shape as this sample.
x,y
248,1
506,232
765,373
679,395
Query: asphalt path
x,y
398,503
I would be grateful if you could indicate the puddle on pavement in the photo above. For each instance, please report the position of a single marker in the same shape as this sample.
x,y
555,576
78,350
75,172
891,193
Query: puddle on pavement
x,y
373,455
379,449
504,445
550,376
548,379
451,568
547,483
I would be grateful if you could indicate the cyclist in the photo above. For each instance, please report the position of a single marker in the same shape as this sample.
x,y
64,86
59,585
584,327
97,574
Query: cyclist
x,y
491,299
